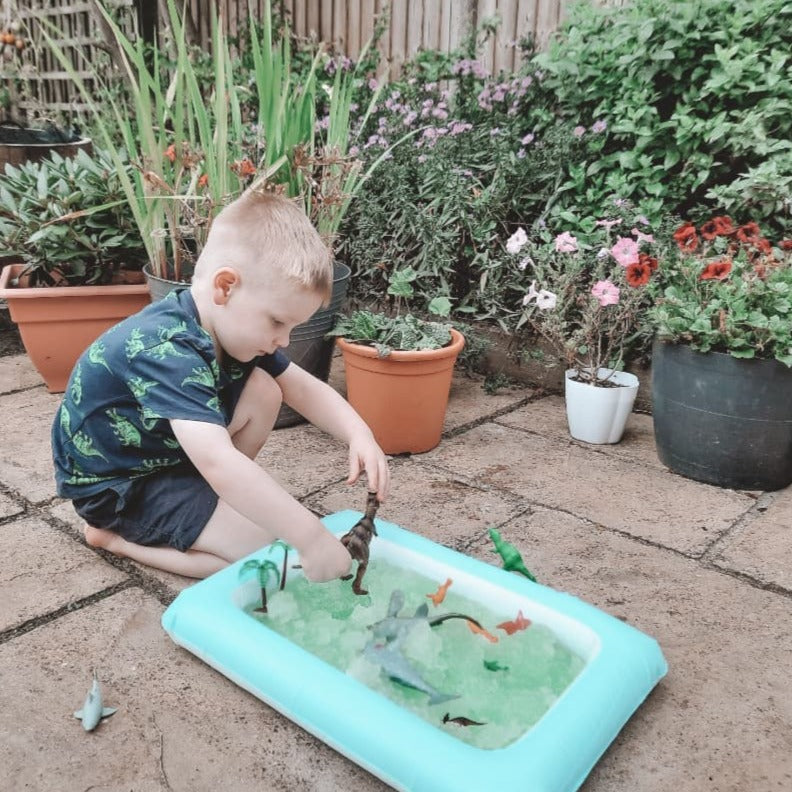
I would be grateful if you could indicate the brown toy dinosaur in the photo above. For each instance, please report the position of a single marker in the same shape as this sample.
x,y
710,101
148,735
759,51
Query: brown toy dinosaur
x,y
357,540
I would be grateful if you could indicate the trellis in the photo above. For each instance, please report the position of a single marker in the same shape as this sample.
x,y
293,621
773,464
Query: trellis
x,y
48,86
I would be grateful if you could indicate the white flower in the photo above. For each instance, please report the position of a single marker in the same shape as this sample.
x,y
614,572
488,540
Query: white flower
x,y
526,262
546,300
532,294
516,241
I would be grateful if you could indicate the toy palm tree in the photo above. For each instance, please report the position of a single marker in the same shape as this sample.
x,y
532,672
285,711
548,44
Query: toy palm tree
x,y
286,548
264,569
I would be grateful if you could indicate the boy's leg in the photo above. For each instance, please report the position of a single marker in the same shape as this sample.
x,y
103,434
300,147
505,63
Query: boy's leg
x,y
227,536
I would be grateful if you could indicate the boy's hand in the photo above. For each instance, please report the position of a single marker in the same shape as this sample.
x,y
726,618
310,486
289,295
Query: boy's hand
x,y
366,455
325,558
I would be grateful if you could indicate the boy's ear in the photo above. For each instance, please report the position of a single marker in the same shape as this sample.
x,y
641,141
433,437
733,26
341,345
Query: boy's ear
x,y
224,281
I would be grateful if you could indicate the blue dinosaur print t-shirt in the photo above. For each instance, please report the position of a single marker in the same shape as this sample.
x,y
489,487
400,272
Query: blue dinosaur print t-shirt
x,y
158,365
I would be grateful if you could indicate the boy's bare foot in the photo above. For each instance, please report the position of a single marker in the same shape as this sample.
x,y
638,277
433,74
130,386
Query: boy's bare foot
x,y
99,537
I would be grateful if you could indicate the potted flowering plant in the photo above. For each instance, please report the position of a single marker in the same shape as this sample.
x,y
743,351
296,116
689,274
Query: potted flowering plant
x,y
722,357
584,298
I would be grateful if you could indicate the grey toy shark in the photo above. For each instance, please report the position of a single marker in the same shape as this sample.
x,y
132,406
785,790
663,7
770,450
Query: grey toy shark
x,y
394,627
92,710
396,666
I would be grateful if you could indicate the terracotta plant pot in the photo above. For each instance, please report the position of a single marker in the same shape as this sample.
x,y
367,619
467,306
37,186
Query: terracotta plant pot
x,y
402,397
57,323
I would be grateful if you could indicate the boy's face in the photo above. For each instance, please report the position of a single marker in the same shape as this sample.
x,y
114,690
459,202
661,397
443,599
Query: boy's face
x,y
257,319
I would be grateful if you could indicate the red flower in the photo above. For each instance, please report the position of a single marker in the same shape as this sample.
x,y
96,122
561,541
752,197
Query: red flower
x,y
686,237
638,274
749,232
170,152
786,244
718,226
203,180
243,168
716,270
649,261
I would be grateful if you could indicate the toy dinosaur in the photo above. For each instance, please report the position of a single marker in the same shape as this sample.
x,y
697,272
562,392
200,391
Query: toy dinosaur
x,y
512,560
357,540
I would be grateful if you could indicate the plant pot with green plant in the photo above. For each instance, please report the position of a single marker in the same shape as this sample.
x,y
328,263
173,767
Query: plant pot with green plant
x,y
585,297
722,356
399,369
75,254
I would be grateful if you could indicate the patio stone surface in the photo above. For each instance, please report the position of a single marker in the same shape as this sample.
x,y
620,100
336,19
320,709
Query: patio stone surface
x,y
639,500
703,570
43,570
16,373
25,458
763,548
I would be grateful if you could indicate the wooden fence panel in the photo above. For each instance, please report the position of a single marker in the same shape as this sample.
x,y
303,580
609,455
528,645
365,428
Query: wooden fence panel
x,y
346,24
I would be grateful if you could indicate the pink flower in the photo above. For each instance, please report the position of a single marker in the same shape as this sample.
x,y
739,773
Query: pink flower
x,y
579,131
606,292
625,251
566,243
641,237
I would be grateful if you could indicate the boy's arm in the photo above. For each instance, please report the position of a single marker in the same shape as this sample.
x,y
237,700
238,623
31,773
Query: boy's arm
x,y
328,410
251,491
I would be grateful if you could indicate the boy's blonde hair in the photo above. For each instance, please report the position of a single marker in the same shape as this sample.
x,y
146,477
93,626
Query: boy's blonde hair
x,y
262,235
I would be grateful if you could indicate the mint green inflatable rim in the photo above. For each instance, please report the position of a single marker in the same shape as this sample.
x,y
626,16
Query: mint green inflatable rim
x,y
555,755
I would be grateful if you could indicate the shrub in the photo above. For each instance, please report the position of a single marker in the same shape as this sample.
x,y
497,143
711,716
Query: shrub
x,y
692,96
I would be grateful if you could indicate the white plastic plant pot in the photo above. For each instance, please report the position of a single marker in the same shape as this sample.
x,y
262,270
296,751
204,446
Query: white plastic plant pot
x,y
598,414
617,668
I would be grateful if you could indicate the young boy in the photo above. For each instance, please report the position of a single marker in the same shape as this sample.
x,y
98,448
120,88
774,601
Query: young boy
x,y
164,414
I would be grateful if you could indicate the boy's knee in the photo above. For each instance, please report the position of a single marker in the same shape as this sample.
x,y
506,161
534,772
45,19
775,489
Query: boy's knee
x,y
266,389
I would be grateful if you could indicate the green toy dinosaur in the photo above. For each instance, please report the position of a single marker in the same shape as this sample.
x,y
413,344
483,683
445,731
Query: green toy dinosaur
x,y
512,560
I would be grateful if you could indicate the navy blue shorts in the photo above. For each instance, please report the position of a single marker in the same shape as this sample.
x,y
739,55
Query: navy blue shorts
x,y
170,508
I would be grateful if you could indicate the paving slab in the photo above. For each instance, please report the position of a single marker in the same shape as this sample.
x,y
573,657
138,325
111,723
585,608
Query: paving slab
x,y
43,570
722,718
17,373
9,506
469,402
547,417
645,502
167,584
180,724
443,508
25,454
303,458
762,548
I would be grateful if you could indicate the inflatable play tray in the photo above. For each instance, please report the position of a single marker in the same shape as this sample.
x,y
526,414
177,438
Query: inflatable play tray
x,y
618,667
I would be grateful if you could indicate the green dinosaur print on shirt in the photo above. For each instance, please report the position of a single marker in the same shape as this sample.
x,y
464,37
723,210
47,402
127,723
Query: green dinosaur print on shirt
x,y
124,429
201,375
165,347
148,418
84,445
75,391
134,344
157,463
96,354
172,443
140,387
65,420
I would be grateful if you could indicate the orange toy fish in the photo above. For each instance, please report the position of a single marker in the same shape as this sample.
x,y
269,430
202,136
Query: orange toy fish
x,y
520,623
439,595
475,628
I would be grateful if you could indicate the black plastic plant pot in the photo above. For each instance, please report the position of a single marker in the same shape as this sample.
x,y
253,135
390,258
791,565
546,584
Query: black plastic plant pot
x,y
722,420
